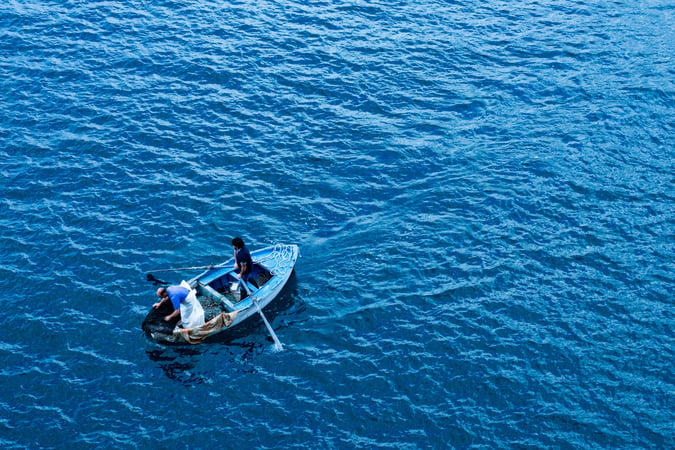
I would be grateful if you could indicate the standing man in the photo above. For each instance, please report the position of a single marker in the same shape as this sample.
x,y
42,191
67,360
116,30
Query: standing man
x,y
242,259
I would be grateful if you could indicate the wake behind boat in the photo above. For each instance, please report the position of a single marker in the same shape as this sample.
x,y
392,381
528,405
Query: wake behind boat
x,y
227,301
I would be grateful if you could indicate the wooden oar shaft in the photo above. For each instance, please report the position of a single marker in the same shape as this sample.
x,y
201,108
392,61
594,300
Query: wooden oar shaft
x,y
277,342
183,268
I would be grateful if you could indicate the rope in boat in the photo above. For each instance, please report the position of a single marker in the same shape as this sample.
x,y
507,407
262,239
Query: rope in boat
x,y
275,261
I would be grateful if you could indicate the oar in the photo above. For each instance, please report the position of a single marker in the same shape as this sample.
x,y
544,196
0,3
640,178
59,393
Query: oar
x,y
185,268
157,282
151,277
277,342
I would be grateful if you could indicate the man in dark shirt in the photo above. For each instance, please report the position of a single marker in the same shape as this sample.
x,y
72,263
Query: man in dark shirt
x,y
242,259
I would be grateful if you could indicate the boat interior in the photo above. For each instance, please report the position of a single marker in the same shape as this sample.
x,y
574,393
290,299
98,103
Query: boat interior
x,y
222,290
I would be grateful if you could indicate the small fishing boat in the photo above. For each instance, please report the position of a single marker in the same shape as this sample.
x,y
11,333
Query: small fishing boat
x,y
226,300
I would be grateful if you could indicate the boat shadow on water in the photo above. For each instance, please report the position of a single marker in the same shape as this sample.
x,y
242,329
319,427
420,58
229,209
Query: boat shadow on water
x,y
183,363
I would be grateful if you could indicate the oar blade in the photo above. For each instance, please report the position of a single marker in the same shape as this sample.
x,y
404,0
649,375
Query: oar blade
x,y
150,277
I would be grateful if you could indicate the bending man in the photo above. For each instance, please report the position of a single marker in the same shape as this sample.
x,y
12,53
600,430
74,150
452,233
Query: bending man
x,y
174,294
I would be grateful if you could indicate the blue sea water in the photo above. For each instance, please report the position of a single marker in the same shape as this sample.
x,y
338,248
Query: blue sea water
x,y
482,192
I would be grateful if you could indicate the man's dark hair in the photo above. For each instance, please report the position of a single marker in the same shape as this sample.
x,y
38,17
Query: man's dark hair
x,y
238,242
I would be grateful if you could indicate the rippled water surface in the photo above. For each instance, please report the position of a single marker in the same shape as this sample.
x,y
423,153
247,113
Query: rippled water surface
x,y
482,192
